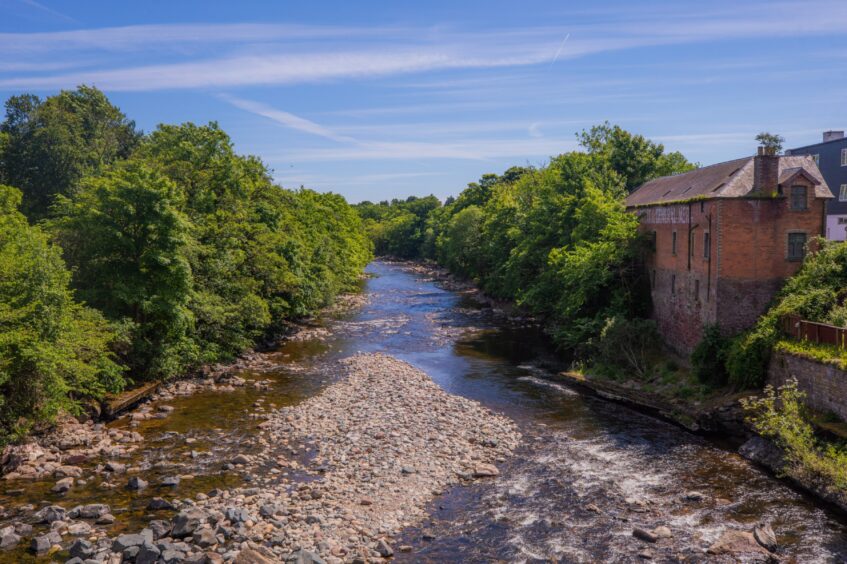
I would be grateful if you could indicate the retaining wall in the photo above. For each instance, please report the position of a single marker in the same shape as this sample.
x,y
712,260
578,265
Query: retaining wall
x,y
825,385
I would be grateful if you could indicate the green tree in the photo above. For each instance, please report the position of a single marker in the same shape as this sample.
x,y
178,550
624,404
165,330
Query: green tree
x,y
127,241
51,144
54,352
771,142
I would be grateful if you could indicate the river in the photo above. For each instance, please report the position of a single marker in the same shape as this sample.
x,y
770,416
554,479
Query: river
x,y
588,471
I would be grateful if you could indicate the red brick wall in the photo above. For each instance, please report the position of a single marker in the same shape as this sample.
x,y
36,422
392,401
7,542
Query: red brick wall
x,y
734,284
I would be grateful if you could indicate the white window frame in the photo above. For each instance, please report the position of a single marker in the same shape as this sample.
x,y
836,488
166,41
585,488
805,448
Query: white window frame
x,y
844,157
842,195
817,159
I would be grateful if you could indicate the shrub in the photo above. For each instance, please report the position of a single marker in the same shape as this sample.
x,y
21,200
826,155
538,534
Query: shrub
x,y
708,361
628,343
781,416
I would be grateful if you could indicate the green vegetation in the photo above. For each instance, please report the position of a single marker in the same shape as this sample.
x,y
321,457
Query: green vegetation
x,y
183,251
708,360
816,293
556,239
780,415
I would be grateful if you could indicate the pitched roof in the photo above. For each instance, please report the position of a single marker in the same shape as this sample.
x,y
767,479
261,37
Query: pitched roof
x,y
730,179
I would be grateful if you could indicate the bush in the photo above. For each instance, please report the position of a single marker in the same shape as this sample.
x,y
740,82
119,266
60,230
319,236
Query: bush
x,y
628,343
708,361
781,416
54,352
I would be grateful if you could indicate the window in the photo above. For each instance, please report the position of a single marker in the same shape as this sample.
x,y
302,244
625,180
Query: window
x,y
843,157
702,206
653,239
673,283
796,246
817,159
842,195
673,243
697,289
707,245
798,198
691,243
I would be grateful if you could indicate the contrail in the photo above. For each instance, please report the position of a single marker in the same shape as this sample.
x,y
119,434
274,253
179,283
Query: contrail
x,y
559,52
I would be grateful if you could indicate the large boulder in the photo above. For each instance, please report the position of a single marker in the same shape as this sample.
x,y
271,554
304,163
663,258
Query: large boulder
x,y
185,523
50,514
740,545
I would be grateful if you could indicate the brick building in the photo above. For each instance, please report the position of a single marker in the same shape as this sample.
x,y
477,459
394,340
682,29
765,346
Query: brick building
x,y
726,236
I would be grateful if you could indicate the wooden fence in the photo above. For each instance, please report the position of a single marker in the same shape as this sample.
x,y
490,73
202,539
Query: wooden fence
x,y
821,333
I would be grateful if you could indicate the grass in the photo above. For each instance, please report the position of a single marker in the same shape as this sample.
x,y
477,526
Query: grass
x,y
826,354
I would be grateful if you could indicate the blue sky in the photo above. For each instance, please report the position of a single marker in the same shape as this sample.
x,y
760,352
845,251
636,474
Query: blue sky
x,y
387,99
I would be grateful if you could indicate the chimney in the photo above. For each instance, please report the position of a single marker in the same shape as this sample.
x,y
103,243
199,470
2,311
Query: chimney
x,y
832,135
765,172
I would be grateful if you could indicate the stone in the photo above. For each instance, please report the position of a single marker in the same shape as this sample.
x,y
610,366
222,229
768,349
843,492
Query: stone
x,y
240,460
115,467
694,496
384,549
43,543
646,554
136,483
50,514
738,544
485,471
92,510
106,519
205,538
268,510
63,485
186,523
9,540
160,504
237,515
662,532
122,542
764,535
81,548
250,556
160,528
170,481
79,529
214,558
129,554
304,557
406,548
644,534
148,553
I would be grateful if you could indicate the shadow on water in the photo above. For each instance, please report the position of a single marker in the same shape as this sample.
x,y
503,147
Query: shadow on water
x,y
586,473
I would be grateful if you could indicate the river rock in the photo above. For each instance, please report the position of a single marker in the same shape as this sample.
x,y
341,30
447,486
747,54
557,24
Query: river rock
x,y
205,538
50,514
240,460
304,557
384,549
644,534
122,542
694,496
90,511
764,452
148,553
115,467
738,544
79,529
250,556
186,523
662,532
63,485
160,504
485,471
81,548
43,543
170,481
764,535
136,483
9,541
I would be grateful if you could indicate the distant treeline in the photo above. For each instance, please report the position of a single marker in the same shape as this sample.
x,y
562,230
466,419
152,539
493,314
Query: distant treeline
x,y
555,239
127,256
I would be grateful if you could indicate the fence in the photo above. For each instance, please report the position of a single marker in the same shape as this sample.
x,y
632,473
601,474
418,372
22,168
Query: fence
x,y
821,333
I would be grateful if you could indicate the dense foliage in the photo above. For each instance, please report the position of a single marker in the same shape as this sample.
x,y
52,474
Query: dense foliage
x,y
781,416
184,251
556,239
52,349
818,292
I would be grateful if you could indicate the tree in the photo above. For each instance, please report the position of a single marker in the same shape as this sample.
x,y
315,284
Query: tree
x,y
771,142
51,144
634,158
54,352
127,242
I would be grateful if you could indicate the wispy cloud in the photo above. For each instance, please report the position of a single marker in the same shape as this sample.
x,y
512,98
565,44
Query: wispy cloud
x,y
286,119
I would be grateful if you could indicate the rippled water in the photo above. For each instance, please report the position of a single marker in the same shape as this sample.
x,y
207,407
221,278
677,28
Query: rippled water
x,y
587,473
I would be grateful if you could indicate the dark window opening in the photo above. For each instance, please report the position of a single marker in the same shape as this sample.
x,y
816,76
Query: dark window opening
x,y
702,206
707,245
673,243
697,290
673,283
798,198
796,246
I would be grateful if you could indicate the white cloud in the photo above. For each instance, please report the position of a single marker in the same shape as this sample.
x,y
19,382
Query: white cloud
x,y
286,119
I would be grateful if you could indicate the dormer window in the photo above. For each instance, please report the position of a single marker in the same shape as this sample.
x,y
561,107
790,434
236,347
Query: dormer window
x,y
799,200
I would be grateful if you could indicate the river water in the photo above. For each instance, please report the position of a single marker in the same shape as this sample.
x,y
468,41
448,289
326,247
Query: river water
x,y
587,473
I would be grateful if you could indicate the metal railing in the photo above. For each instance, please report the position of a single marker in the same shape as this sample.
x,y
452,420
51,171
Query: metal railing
x,y
821,333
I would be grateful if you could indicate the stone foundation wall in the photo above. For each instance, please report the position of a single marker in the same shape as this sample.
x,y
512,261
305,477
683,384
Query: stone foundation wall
x,y
825,385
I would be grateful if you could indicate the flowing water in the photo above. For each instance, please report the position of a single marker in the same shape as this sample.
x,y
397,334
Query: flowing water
x,y
587,473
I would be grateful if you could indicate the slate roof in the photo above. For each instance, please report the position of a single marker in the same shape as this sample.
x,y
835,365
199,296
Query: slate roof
x,y
730,179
